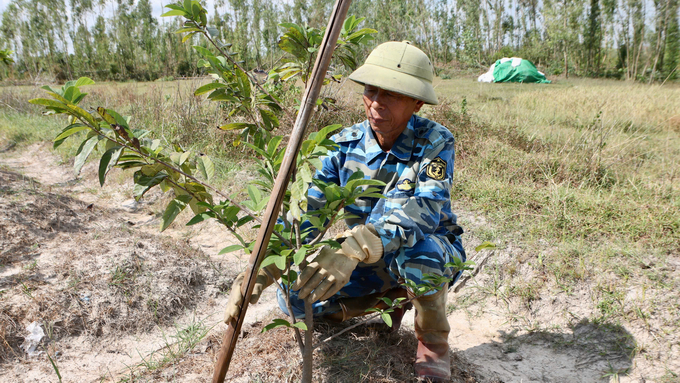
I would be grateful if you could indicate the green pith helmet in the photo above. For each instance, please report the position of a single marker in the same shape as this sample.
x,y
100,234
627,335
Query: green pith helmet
x,y
398,67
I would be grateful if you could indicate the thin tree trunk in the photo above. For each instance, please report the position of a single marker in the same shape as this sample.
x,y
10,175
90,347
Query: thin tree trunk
x,y
566,56
661,32
637,60
308,356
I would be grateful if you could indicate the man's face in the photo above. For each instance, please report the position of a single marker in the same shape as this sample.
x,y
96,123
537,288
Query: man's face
x,y
388,112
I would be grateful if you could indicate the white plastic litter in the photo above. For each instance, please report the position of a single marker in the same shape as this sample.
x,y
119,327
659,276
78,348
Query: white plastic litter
x,y
32,340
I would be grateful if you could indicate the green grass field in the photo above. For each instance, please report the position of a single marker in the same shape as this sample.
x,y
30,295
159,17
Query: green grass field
x,y
583,175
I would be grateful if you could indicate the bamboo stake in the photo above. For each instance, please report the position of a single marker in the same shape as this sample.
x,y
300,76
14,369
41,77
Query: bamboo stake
x,y
306,108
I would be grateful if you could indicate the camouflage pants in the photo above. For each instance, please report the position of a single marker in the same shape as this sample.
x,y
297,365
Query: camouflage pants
x,y
427,257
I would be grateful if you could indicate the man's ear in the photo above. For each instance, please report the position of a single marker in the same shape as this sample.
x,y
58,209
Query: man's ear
x,y
419,104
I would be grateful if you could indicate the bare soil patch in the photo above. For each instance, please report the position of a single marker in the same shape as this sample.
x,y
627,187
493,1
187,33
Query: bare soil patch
x,y
120,302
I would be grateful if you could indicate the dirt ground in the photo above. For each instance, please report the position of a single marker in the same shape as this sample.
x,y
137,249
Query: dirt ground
x,y
118,301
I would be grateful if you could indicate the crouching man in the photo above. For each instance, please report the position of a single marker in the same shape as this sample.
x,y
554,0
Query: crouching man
x,y
407,235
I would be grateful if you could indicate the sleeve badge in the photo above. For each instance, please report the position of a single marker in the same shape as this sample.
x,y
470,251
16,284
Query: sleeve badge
x,y
436,169
406,185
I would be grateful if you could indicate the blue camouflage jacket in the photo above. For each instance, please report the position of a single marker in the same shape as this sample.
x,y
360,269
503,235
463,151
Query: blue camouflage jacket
x,y
418,173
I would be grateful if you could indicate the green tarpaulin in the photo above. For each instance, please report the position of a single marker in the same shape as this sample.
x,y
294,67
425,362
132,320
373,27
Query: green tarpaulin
x,y
514,70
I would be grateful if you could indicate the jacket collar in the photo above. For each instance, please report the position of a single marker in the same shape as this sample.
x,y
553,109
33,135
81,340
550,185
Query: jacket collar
x,y
402,148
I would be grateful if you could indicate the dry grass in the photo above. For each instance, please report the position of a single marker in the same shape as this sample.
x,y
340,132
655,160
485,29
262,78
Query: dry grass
x,y
363,354
75,271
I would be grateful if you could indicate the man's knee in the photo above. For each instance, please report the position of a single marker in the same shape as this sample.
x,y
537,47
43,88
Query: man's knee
x,y
428,257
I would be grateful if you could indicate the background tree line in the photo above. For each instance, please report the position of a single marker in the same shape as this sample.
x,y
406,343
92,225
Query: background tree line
x,y
121,39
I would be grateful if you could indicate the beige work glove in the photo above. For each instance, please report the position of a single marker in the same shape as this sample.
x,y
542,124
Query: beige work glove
x,y
332,268
262,281
363,243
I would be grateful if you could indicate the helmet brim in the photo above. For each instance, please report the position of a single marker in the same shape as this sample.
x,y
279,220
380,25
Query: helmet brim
x,y
394,81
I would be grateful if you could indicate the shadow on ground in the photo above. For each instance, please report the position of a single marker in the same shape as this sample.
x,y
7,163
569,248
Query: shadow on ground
x,y
587,352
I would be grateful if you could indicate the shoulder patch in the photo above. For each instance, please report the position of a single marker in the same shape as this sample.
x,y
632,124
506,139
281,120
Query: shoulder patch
x,y
436,169
352,133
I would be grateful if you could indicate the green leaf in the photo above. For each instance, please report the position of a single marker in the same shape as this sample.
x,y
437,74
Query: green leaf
x,y
276,259
203,51
129,164
294,41
206,167
273,145
188,29
254,194
84,81
243,220
269,118
386,318
49,103
237,125
109,159
300,255
67,132
230,249
177,6
106,116
198,197
351,185
152,169
324,132
74,110
458,265
196,8
131,157
315,221
387,301
230,213
289,278
300,325
120,120
485,245
208,87
243,83
144,183
184,157
83,152
187,36
174,12
276,323
220,95
174,208
71,93
200,218
256,149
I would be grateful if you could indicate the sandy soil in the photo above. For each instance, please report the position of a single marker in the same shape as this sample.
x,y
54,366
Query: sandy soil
x,y
115,298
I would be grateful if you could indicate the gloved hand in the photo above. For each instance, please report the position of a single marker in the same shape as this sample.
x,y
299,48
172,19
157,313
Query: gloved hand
x,y
332,268
262,281
363,243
